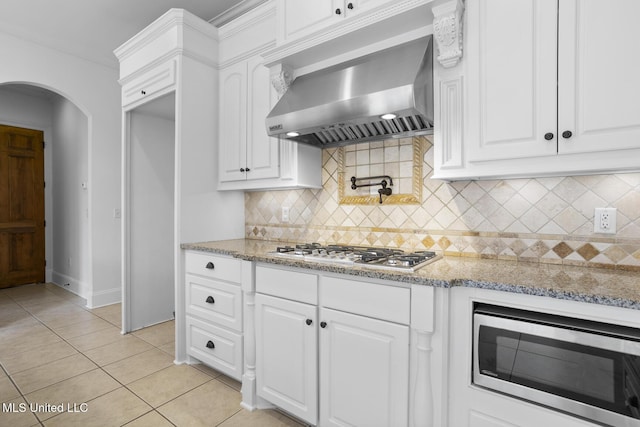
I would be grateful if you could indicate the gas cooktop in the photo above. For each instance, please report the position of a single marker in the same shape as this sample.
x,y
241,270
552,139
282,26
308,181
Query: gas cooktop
x,y
379,258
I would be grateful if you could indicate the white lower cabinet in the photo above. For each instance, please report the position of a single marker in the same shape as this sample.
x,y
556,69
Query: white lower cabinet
x,y
364,371
217,347
286,349
473,406
337,350
322,358
213,308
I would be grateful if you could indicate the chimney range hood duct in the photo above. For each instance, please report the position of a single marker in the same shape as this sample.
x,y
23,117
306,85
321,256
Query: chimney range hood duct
x,y
345,104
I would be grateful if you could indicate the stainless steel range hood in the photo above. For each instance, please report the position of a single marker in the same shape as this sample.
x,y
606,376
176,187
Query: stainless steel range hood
x,y
345,104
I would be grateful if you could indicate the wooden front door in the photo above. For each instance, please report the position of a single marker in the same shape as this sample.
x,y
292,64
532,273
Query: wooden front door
x,y
21,206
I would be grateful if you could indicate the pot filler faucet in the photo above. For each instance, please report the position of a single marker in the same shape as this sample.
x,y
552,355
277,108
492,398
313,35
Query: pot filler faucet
x,y
381,191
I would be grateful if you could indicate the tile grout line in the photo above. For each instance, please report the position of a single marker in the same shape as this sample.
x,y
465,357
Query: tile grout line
x,y
97,366
22,395
229,417
147,413
74,347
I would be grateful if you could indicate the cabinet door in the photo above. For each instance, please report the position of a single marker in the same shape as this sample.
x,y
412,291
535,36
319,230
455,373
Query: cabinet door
x,y
364,371
150,85
358,6
233,122
598,84
304,17
286,355
262,150
511,84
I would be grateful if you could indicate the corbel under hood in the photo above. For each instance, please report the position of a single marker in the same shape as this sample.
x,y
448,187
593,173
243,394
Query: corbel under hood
x,y
345,104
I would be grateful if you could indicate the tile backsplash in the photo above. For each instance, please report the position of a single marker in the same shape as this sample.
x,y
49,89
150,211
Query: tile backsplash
x,y
546,220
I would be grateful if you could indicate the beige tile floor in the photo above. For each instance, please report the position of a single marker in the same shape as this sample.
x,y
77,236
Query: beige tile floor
x,y
54,351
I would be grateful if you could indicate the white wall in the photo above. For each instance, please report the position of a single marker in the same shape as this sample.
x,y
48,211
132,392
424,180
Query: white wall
x,y
94,89
71,263
151,210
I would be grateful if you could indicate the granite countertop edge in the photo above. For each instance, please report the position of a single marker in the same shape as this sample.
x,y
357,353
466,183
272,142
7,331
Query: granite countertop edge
x,y
331,268
549,292
415,279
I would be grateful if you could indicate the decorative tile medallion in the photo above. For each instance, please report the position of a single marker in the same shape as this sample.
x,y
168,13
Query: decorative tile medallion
x,y
400,159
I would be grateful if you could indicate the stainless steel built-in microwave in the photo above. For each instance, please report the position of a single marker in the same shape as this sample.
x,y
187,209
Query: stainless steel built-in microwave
x,y
585,368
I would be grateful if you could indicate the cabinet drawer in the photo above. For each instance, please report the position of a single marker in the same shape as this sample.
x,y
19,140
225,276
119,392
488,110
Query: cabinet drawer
x,y
215,267
149,83
368,299
217,302
225,353
287,284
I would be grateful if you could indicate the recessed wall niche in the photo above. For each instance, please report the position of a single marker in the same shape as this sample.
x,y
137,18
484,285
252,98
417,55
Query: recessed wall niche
x,y
401,159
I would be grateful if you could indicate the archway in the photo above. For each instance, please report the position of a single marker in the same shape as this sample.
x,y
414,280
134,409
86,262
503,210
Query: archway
x,y
66,166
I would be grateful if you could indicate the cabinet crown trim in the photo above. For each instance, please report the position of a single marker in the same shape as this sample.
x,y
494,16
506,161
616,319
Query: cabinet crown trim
x,y
172,18
247,21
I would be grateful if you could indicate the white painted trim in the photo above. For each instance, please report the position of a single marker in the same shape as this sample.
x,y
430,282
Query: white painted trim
x,y
366,50
447,30
232,26
341,29
173,17
246,55
75,286
448,135
102,298
126,220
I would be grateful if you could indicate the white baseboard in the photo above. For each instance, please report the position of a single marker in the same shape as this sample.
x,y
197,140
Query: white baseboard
x,y
107,297
70,284
94,299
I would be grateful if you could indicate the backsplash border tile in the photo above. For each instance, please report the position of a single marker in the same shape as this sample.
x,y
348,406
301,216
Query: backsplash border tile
x,y
544,220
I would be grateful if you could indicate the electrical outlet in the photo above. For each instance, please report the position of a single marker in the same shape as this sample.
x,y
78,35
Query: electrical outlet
x,y
284,217
604,221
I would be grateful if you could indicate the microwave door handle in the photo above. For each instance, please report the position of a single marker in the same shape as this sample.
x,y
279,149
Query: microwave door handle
x,y
617,344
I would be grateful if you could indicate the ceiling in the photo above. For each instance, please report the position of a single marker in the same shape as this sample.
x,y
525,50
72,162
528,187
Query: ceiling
x,y
92,29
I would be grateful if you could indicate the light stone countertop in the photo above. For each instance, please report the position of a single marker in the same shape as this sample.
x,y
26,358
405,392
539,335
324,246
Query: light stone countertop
x,y
594,285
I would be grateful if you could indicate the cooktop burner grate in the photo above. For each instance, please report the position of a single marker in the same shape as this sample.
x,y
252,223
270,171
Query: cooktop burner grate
x,y
369,257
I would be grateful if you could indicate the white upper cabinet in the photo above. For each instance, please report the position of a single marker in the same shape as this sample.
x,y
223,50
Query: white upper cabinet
x,y
598,85
248,158
150,84
321,31
262,150
550,88
302,18
511,99
233,122
246,152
